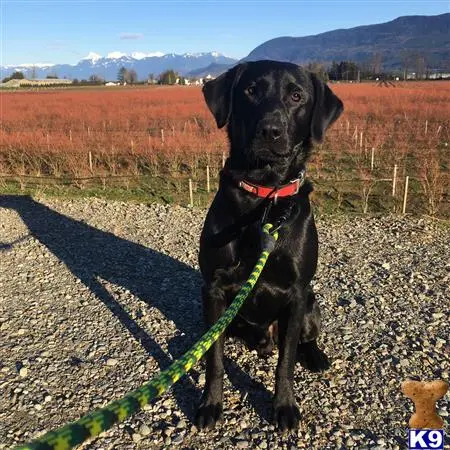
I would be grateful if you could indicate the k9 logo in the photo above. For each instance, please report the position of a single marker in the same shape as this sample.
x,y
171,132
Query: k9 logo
x,y
426,440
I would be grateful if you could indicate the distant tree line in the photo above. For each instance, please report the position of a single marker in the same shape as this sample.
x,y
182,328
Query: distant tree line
x,y
124,76
412,63
92,80
127,76
169,77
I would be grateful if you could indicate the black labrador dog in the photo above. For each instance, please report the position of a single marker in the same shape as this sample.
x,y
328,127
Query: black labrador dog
x,y
273,110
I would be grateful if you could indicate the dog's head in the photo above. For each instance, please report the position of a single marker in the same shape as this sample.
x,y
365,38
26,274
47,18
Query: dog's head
x,y
273,110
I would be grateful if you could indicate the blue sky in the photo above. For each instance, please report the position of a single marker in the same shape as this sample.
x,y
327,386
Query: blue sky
x,y
66,31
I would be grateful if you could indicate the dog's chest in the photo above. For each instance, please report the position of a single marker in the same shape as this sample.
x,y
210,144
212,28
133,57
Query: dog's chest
x,y
280,271
272,290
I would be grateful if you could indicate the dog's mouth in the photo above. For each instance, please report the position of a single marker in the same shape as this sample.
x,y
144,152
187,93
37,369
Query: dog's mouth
x,y
263,148
271,153
280,152
259,152
277,152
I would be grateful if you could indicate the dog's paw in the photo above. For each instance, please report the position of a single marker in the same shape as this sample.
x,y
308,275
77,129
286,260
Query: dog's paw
x,y
286,417
312,358
265,349
208,414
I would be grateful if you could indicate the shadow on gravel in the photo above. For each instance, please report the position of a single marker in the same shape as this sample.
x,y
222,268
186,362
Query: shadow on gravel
x,y
160,280
8,246
254,391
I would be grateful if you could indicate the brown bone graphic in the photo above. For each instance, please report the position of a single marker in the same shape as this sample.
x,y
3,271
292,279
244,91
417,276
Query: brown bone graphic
x,y
425,395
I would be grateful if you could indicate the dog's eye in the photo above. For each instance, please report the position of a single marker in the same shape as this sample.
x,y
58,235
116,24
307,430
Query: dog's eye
x,y
296,96
250,91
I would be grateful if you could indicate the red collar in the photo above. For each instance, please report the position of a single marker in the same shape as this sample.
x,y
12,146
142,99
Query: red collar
x,y
286,190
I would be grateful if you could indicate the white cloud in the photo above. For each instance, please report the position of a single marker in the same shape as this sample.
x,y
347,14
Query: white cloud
x,y
131,36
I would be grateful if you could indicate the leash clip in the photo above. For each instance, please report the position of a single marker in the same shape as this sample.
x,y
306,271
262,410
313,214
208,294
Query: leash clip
x,y
281,220
266,213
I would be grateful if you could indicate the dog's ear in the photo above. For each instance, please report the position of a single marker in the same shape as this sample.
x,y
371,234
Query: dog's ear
x,y
218,94
327,108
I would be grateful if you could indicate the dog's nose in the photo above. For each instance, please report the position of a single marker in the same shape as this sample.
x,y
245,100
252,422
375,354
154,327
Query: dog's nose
x,y
271,132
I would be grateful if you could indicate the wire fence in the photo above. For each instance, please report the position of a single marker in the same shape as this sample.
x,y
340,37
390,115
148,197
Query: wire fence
x,y
198,190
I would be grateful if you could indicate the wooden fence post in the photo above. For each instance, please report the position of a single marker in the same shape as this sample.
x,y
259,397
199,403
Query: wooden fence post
x,y
208,187
70,135
394,180
426,126
191,195
372,159
162,135
405,195
90,162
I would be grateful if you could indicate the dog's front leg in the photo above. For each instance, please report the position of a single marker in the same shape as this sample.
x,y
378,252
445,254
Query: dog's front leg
x,y
286,413
309,355
210,409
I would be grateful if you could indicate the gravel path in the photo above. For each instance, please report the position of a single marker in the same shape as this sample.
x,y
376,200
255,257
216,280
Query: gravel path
x,y
96,296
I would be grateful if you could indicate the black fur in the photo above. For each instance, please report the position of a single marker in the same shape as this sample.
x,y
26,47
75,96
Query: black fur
x,y
274,111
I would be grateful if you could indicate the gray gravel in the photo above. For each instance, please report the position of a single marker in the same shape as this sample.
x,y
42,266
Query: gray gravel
x,y
96,297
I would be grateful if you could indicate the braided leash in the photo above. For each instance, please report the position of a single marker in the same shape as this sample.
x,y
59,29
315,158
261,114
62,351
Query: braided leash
x,y
101,420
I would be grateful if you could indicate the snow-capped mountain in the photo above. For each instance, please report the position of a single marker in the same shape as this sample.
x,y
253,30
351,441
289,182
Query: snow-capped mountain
x,y
108,66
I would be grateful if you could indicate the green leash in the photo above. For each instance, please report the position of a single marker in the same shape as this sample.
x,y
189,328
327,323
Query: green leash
x,y
101,420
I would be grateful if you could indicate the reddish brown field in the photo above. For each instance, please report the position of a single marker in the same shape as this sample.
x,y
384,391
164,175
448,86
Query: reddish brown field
x,y
133,131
